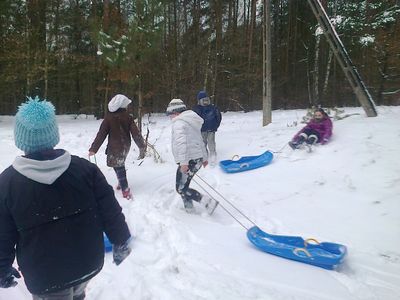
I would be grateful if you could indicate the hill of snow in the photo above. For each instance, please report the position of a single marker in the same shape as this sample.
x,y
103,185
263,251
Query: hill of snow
x,y
346,192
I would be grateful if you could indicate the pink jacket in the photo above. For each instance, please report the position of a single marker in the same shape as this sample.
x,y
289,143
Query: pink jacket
x,y
323,127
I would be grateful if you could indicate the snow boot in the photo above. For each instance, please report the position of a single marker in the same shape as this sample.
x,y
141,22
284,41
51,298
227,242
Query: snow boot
x,y
312,139
293,145
209,203
188,204
310,142
213,160
127,194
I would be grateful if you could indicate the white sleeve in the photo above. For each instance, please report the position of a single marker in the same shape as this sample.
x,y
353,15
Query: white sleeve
x,y
179,143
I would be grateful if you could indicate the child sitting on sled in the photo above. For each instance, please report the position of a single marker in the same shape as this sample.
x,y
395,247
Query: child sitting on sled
x,y
317,130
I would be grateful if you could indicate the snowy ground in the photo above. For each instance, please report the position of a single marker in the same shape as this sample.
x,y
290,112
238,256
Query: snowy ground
x,y
346,192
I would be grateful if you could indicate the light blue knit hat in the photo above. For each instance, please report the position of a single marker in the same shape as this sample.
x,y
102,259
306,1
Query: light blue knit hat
x,y
35,126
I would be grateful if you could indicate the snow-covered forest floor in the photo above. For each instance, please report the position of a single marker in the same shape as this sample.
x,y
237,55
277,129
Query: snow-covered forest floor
x,y
347,191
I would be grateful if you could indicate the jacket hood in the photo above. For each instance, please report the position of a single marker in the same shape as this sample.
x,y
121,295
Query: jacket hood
x,y
190,117
42,171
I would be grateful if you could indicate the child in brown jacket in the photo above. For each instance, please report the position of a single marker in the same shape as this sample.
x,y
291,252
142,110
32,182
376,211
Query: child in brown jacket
x,y
119,126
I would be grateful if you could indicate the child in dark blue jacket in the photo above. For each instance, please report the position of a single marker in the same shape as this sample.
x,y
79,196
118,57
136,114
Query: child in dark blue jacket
x,y
212,119
54,208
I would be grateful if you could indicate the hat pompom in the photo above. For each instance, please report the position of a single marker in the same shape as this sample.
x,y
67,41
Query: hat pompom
x,y
35,126
35,113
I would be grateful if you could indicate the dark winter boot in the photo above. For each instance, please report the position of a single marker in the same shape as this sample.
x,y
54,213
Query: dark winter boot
x,y
80,297
293,145
301,139
296,144
188,204
127,194
312,139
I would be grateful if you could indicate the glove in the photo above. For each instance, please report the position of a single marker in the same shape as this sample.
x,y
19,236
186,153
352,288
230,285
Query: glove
x,y
120,252
7,280
142,153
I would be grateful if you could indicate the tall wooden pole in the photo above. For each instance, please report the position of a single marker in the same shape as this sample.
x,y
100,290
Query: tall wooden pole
x,y
350,71
267,84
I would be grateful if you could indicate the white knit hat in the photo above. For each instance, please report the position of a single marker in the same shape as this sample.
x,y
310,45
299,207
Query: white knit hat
x,y
176,106
117,102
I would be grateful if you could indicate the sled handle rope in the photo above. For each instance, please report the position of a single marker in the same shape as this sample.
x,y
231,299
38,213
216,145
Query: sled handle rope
x,y
298,250
95,160
230,203
280,151
235,156
222,206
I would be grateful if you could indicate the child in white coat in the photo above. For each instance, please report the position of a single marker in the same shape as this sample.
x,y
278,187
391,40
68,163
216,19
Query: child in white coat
x,y
189,152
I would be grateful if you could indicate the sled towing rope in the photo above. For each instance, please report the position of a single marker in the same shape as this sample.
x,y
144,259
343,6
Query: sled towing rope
x,y
310,251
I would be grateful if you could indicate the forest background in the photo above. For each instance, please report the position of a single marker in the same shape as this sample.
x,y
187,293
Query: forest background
x,y
78,54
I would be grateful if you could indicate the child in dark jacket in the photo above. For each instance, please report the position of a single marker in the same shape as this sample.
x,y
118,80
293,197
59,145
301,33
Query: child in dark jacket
x,y
119,126
54,208
212,119
317,130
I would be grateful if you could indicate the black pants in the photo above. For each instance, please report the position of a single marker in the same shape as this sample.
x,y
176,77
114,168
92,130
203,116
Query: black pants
x,y
73,293
183,181
121,176
310,136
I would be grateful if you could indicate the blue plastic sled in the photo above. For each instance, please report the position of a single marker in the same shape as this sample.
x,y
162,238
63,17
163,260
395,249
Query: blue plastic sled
x,y
107,244
324,255
246,163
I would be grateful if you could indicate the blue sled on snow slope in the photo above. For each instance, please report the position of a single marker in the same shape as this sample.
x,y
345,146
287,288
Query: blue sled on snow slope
x,y
246,163
325,255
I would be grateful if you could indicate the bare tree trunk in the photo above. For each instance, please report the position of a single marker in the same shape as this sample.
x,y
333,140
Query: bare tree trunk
x,y
106,25
383,73
36,13
218,45
196,26
140,106
251,33
208,66
176,55
328,70
316,69
267,85
310,100
28,60
235,15
107,87
46,75
294,51
287,69
330,57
